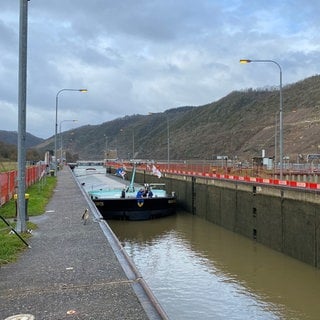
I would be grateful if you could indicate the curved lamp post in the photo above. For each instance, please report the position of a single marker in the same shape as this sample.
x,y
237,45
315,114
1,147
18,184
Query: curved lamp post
x,y
56,125
60,134
168,140
280,112
106,146
168,144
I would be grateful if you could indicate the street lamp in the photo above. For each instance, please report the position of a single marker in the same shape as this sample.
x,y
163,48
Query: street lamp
x,y
60,134
168,140
280,112
106,150
133,151
168,144
56,125
22,98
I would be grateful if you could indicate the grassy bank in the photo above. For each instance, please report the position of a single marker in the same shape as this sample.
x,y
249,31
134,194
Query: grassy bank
x,y
6,166
39,195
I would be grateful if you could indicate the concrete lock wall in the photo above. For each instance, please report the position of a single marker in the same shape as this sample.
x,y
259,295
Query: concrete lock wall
x,y
285,220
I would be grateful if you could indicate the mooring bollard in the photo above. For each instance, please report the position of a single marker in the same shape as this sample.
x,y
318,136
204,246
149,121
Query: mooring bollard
x,y
26,196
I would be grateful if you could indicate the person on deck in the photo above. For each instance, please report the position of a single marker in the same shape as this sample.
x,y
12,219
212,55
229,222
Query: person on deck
x,y
140,193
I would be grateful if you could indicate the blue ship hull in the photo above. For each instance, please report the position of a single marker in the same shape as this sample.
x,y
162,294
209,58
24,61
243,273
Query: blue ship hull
x,y
136,209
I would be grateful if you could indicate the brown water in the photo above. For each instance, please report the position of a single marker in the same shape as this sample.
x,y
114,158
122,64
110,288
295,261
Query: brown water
x,y
198,270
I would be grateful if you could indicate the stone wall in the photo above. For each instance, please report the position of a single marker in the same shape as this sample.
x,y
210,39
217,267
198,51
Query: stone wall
x,y
283,219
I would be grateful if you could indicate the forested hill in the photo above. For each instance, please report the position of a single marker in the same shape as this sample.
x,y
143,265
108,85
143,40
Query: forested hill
x,y
11,137
240,125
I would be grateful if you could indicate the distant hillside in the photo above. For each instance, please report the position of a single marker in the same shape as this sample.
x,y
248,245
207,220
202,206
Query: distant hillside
x,y
241,125
11,137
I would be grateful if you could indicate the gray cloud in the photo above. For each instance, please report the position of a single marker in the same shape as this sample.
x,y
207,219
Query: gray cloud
x,y
148,55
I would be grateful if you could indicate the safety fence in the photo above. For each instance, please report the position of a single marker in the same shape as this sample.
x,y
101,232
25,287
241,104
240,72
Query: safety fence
x,y
209,172
276,182
8,181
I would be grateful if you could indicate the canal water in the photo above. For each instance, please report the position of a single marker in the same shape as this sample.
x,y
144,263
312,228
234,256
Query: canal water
x,y
198,270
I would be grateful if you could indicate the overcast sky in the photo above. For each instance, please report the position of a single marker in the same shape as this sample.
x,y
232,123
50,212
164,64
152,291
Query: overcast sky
x,y
141,56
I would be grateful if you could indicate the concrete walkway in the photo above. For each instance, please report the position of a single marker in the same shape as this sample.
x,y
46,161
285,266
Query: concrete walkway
x,y
74,270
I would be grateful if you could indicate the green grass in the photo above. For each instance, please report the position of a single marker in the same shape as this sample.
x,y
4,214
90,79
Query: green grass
x,y
11,245
6,166
39,195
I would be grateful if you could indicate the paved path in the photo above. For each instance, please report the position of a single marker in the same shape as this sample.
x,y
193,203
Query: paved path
x,y
74,270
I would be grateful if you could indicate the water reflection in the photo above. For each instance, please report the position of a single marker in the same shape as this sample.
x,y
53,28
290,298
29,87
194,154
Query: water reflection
x,y
200,271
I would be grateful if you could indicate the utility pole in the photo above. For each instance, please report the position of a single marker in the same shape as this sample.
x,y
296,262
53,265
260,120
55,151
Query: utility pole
x,y
22,97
